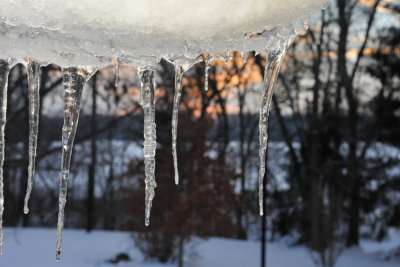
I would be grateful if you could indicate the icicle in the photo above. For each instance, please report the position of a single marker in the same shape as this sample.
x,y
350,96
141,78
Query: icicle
x,y
149,146
139,63
244,53
142,95
225,56
273,64
74,80
33,87
145,67
175,111
5,67
181,65
116,66
244,56
229,56
207,64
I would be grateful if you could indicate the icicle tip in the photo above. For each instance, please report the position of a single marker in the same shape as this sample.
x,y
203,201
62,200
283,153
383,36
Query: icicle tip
x,y
58,255
26,209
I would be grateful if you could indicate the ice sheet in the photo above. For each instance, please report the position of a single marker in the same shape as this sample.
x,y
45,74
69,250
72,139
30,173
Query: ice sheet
x,y
77,32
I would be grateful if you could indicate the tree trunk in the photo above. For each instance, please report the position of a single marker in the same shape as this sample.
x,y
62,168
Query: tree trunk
x,y
92,166
264,218
241,232
345,81
352,234
181,251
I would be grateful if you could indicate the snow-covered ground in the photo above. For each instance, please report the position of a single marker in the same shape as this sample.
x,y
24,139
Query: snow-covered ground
x,y
36,247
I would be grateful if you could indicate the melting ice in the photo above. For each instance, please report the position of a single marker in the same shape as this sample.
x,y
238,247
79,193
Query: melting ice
x,y
74,79
5,66
33,87
137,34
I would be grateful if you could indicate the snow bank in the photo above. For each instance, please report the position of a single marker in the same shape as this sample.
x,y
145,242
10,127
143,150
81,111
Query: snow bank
x,y
77,32
96,248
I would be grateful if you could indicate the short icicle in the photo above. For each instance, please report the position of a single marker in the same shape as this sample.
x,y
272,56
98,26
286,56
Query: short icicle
x,y
148,85
175,111
74,80
116,68
33,87
225,56
5,66
273,64
244,56
207,65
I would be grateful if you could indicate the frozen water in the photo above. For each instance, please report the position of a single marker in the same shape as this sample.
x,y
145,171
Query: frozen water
x,y
5,66
137,33
102,29
148,87
95,248
116,72
182,64
274,60
34,102
74,80
140,63
207,65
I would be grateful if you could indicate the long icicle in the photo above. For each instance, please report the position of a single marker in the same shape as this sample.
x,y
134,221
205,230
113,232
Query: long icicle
x,y
5,67
175,111
273,64
182,64
33,87
74,80
148,85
